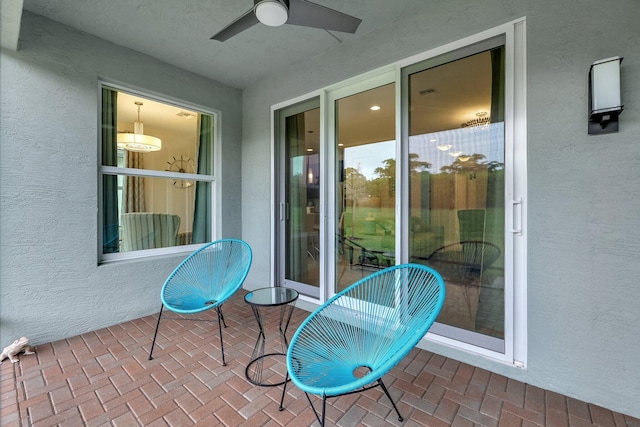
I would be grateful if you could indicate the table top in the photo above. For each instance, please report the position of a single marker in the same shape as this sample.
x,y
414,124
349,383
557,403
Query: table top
x,y
270,297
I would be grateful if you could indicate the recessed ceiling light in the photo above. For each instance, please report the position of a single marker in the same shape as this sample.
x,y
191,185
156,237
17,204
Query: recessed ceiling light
x,y
340,145
455,153
433,140
375,107
464,158
309,149
444,147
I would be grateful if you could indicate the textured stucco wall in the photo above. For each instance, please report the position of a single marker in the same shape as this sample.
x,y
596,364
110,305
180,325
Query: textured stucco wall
x,y
583,191
50,284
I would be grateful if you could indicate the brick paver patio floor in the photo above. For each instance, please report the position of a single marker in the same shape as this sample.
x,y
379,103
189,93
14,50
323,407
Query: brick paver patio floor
x,y
104,378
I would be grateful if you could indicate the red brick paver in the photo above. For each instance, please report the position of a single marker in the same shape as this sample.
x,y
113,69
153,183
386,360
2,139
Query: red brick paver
x,y
104,378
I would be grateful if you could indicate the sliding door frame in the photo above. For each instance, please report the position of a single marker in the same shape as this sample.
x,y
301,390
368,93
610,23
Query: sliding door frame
x,y
515,334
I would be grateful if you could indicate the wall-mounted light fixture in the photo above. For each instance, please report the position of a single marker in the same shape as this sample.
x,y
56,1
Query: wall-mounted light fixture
x,y
605,104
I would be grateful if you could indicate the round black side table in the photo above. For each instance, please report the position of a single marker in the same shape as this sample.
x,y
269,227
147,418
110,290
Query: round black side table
x,y
260,299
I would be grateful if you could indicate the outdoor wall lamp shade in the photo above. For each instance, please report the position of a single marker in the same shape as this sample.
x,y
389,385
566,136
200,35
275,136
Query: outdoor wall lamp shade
x,y
604,96
138,141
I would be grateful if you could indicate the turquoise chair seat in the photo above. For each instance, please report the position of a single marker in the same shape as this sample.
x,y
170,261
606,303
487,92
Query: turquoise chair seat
x,y
205,280
350,342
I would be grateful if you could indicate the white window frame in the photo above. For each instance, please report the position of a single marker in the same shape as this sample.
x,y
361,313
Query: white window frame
x,y
103,258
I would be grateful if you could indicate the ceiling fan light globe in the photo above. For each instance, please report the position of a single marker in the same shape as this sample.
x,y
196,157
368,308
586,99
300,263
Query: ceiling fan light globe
x,y
272,13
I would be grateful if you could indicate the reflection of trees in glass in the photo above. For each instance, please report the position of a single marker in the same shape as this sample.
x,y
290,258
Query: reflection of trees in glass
x,y
495,175
495,182
495,166
387,173
471,163
356,184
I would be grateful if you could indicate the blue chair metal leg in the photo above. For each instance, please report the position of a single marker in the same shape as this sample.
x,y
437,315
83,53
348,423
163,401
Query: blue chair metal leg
x,y
220,321
221,315
284,390
324,407
389,396
156,333
320,418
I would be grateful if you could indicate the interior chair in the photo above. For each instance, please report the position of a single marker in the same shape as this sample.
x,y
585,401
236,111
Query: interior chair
x,y
352,340
147,230
205,280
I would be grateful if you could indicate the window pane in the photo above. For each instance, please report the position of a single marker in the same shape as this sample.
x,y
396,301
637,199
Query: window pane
x,y
143,212
177,131
456,146
366,184
156,213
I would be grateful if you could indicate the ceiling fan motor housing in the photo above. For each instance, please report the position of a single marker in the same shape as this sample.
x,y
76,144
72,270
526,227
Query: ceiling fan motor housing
x,y
273,13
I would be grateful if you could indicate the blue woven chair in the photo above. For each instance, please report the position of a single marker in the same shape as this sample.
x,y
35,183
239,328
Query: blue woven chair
x,y
356,337
205,280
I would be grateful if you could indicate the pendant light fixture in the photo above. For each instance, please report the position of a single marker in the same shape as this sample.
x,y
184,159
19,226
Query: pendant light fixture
x,y
138,141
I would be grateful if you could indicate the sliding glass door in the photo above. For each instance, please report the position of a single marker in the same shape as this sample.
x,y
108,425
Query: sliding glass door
x,y
456,196
365,185
423,163
299,198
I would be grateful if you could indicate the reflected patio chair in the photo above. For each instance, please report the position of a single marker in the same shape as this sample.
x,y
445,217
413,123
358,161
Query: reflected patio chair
x,y
463,263
358,254
464,260
205,280
359,335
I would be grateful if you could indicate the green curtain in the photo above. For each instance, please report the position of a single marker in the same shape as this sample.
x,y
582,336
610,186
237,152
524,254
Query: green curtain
x,y
497,85
495,176
296,265
110,224
203,202
133,197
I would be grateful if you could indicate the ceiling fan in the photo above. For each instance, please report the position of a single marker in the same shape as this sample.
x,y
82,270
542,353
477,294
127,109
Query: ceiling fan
x,y
293,12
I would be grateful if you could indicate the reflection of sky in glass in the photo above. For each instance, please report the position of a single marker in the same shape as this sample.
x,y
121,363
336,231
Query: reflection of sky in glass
x,y
368,157
297,164
488,141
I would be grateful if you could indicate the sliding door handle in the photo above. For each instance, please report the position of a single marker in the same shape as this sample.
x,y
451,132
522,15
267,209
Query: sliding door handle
x,y
516,216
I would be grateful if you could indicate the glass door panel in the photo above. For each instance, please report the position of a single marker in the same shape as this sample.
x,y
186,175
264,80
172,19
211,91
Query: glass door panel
x,y
300,201
365,190
457,185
